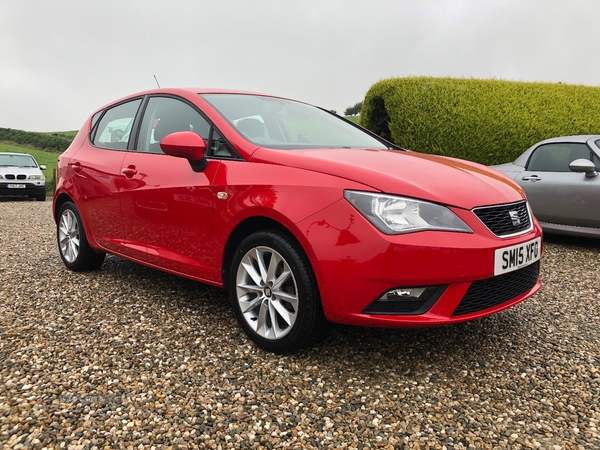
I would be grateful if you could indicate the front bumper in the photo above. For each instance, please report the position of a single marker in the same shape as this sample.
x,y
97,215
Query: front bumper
x,y
29,189
355,264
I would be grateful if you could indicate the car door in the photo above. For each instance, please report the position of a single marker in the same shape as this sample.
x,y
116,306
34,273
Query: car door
x,y
167,207
556,194
96,173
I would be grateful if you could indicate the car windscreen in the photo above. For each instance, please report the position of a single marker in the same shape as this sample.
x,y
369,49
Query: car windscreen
x,y
16,161
284,124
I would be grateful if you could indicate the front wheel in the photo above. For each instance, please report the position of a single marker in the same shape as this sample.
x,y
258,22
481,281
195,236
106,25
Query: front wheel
x,y
73,246
274,293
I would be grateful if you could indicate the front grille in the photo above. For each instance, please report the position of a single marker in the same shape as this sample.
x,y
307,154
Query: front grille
x,y
484,294
9,176
21,177
505,220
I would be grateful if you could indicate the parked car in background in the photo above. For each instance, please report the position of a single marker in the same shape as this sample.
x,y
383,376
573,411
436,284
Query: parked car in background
x,y
302,215
560,178
20,174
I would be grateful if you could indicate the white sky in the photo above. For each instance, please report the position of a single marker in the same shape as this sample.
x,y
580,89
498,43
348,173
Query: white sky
x,y
62,59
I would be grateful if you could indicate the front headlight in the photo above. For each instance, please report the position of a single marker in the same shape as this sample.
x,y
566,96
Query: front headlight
x,y
36,177
397,215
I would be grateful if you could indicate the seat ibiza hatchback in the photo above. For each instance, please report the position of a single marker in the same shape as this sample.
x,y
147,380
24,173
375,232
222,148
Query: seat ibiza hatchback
x,y
303,216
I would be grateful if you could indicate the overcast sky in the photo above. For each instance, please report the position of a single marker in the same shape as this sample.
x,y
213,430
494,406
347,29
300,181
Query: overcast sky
x,y
62,59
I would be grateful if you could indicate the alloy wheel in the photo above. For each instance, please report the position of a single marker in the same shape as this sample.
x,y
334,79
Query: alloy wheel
x,y
267,293
69,236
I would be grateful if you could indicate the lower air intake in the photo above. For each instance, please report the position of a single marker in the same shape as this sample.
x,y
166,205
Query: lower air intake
x,y
484,294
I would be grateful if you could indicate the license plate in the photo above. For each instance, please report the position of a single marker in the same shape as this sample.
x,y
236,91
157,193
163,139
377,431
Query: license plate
x,y
16,186
514,257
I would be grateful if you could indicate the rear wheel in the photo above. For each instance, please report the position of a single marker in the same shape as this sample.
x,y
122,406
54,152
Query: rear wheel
x,y
73,246
274,294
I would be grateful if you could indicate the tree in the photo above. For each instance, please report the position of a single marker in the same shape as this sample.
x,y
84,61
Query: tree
x,y
353,110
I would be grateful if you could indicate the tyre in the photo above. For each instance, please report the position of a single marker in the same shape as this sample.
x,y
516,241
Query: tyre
x,y
73,246
274,293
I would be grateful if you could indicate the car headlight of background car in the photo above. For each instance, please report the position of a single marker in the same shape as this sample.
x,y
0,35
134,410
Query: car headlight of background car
x,y
36,177
398,215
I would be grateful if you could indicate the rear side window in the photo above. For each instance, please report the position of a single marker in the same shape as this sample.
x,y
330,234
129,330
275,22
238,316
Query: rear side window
x,y
114,129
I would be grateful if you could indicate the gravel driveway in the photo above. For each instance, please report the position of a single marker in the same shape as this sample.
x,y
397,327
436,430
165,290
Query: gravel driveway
x,y
129,357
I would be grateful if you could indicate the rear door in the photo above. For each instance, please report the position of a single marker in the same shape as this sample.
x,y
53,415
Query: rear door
x,y
96,173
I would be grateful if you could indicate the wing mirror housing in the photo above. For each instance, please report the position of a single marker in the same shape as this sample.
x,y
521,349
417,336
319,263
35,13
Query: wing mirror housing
x,y
42,167
584,165
188,145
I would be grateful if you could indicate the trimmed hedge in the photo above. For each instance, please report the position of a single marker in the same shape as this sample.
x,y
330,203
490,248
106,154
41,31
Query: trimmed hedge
x,y
487,121
54,142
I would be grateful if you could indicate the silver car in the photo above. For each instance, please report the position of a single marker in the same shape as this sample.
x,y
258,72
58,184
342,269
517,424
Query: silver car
x,y
560,178
20,174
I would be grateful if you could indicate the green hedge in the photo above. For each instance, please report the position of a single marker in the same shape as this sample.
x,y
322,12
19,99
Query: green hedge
x,y
55,142
487,121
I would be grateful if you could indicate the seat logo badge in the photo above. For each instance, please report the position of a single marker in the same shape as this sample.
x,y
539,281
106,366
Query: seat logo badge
x,y
514,217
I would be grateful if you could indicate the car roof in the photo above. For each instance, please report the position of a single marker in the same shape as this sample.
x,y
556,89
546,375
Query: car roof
x,y
14,153
188,91
196,90
581,138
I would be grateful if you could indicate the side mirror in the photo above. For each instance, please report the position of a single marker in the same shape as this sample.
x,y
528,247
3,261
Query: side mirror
x,y
42,167
186,144
584,165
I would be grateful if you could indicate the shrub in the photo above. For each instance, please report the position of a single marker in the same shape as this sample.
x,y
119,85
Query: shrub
x,y
54,142
353,110
487,121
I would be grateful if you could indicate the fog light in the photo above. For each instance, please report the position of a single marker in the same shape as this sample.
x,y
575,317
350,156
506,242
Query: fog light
x,y
409,300
407,294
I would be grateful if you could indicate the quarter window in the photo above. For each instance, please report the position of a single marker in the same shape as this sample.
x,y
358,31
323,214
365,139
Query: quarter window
x,y
114,129
219,146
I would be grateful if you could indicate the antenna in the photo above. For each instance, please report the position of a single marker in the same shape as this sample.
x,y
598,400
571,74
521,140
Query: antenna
x,y
155,79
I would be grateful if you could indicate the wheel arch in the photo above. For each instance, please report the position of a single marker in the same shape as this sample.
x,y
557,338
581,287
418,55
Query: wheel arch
x,y
58,202
260,223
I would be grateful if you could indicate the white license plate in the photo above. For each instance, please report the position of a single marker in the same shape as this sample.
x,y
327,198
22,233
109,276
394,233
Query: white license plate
x,y
16,186
512,258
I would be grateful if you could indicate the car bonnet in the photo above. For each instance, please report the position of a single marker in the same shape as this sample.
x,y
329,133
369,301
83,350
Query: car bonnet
x,y
437,179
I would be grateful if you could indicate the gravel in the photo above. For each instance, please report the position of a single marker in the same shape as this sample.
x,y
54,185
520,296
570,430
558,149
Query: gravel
x,y
130,357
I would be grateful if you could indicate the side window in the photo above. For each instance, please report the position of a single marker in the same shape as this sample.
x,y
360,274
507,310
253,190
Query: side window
x,y
165,115
114,129
557,157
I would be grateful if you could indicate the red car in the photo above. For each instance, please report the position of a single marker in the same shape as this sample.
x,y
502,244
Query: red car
x,y
302,215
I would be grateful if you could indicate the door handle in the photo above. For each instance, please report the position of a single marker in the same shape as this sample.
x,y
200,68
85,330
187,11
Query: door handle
x,y
76,167
531,178
129,171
